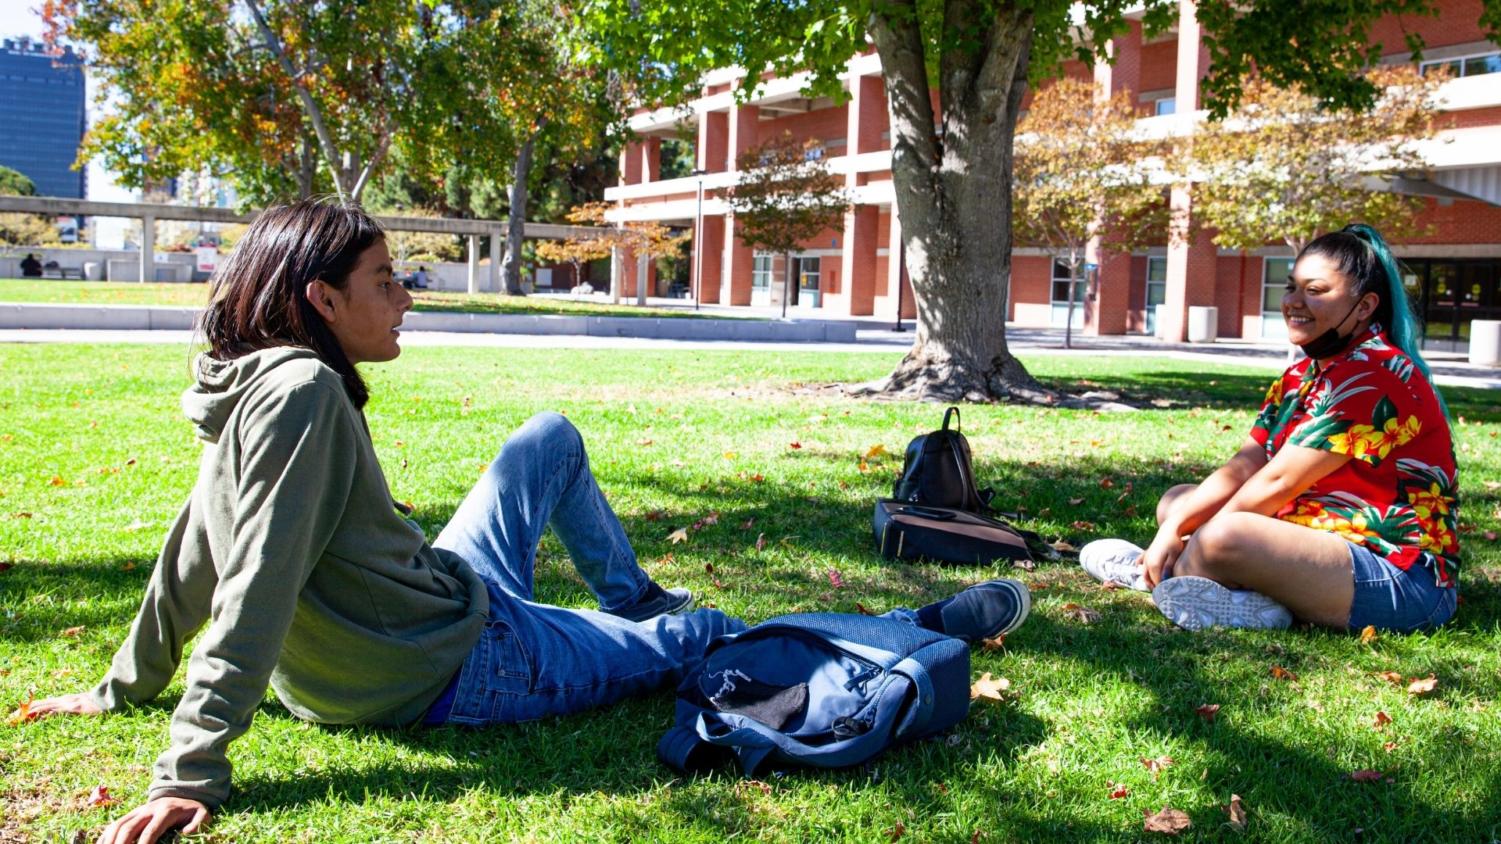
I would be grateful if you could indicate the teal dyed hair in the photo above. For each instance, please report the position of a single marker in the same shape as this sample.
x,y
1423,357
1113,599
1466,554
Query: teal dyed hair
x,y
1361,254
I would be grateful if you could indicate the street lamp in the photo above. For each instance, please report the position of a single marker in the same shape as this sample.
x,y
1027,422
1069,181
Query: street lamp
x,y
698,239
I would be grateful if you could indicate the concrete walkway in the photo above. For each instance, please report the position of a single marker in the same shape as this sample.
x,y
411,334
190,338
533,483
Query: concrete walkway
x,y
725,330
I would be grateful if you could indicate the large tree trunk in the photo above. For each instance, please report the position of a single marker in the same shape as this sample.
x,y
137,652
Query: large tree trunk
x,y
521,171
953,195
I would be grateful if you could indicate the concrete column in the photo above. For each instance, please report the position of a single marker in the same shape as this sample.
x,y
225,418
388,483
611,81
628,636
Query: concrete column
x,y
1191,260
1193,59
473,263
617,274
651,159
497,247
643,273
148,248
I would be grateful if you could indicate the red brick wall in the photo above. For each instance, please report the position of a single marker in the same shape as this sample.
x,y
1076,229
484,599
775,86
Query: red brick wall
x,y
1458,22
1159,65
1470,117
822,125
1460,222
1031,276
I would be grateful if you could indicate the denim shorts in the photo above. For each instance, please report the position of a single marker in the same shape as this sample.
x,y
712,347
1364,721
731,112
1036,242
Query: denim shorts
x,y
1389,598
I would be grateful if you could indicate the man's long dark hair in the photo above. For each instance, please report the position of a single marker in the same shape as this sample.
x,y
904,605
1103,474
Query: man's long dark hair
x,y
258,298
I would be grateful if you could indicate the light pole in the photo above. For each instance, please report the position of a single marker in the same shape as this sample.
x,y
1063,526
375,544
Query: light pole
x,y
698,239
901,271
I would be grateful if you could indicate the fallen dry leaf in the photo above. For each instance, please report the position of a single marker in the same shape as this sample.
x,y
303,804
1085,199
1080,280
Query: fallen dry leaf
x,y
1075,502
860,608
1380,720
656,515
897,831
644,443
1081,524
1366,775
72,632
1156,766
100,796
23,712
730,455
1391,677
757,478
760,542
875,451
1237,812
1166,821
1423,686
863,467
1490,536
1389,746
990,688
995,643
1107,483
1117,791
1208,711
794,445
1283,674
679,535
1368,634
1081,614
6,566
836,579
57,481
747,524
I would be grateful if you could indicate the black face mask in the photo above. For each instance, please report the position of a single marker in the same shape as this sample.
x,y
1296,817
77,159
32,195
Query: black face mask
x,y
1331,342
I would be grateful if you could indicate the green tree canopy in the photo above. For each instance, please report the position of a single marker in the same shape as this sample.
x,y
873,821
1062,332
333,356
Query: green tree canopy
x,y
15,183
952,155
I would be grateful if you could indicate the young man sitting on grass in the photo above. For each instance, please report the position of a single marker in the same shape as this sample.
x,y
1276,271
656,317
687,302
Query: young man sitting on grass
x,y
294,559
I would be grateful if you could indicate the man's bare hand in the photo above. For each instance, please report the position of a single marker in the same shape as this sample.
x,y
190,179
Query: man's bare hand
x,y
145,824
76,704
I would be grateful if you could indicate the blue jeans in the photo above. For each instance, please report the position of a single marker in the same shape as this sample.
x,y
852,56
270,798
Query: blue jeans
x,y
1392,599
536,660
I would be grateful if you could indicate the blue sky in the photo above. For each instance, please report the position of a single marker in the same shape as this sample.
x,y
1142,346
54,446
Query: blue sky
x,y
19,17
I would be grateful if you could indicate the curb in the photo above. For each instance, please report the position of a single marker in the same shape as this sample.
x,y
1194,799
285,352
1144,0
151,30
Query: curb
x,y
149,318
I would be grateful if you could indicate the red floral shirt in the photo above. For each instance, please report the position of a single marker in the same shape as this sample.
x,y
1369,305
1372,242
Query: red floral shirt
x,y
1399,496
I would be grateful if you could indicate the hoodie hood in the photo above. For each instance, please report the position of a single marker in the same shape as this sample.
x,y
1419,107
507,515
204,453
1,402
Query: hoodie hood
x,y
222,383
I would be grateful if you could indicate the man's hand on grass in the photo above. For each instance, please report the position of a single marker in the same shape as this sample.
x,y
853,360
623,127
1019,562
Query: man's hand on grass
x,y
75,704
145,824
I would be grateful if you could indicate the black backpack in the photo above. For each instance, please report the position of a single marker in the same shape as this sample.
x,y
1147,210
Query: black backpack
x,y
937,471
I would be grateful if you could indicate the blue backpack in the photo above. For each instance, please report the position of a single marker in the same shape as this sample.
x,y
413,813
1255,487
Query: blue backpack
x,y
821,689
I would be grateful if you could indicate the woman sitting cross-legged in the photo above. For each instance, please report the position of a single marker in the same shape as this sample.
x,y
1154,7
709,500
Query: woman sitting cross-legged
x,y
305,575
1341,509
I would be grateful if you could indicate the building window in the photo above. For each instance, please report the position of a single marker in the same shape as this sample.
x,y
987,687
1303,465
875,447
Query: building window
x,y
1474,65
1156,289
1273,284
1166,105
1059,302
761,272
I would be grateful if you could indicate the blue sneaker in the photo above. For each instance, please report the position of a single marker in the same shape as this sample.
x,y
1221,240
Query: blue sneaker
x,y
983,611
654,602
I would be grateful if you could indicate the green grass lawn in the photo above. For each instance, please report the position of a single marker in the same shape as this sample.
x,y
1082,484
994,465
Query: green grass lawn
x,y
95,460
57,292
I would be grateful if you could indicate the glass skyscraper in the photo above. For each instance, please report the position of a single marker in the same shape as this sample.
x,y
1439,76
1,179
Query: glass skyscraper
x,y
42,116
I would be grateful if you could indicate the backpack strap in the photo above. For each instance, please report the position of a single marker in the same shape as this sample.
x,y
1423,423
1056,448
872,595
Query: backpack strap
x,y
958,422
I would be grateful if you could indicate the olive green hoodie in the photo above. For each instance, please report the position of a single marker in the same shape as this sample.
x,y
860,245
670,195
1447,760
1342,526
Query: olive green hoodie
x,y
292,551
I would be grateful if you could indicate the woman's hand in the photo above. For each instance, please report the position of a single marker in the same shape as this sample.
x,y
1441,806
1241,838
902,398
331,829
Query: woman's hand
x,y
144,824
76,704
1157,563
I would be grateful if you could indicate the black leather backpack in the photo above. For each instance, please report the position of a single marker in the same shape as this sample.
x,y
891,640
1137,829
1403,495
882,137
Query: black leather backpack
x,y
937,472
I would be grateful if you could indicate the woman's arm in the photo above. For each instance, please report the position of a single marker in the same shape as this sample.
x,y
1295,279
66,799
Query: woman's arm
x,y
1293,470
1197,507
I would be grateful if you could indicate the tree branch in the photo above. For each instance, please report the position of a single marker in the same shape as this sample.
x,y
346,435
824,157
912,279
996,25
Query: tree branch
x,y
309,105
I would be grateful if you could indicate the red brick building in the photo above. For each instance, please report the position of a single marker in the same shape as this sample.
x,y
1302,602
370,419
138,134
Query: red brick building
x,y
1455,272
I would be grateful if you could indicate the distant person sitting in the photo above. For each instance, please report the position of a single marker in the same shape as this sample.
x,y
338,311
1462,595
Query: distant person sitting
x,y
419,278
31,267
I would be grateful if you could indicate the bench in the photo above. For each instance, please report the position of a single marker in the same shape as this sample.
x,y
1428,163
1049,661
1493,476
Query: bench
x,y
63,272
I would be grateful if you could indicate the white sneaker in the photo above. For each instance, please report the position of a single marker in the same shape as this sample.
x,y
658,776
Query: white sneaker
x,y
1114,561
1195,603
